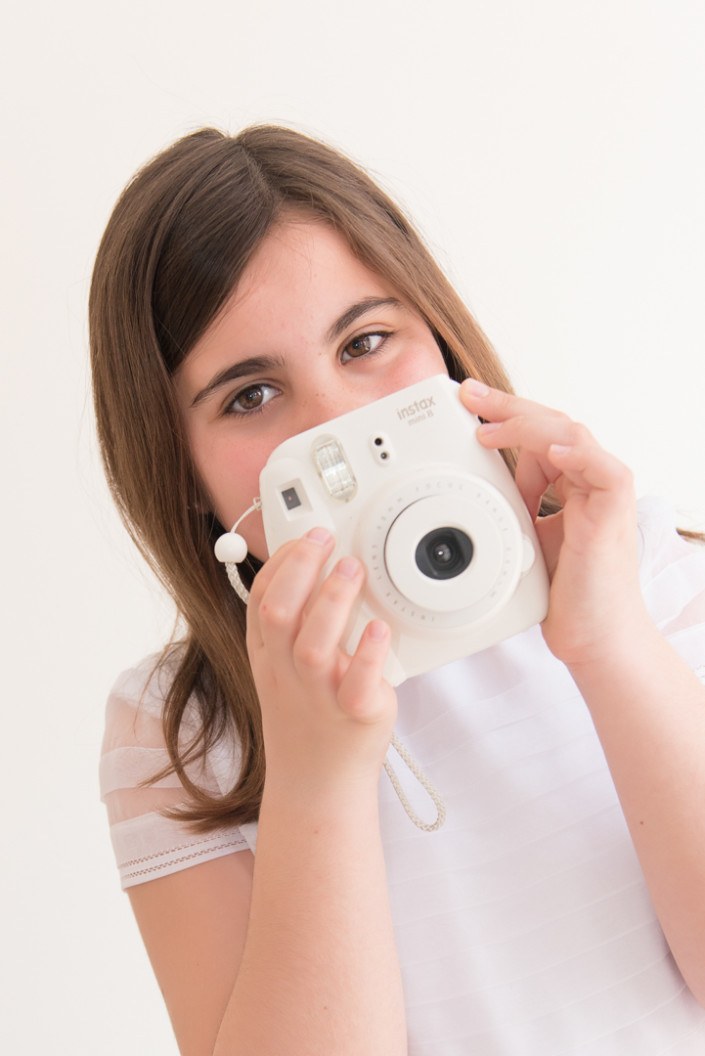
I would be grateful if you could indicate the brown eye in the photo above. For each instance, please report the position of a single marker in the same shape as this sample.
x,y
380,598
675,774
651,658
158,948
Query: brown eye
x,y
364,345
251,399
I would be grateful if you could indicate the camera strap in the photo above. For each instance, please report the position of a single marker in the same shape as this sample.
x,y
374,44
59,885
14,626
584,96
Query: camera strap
x,y
420,776
231,549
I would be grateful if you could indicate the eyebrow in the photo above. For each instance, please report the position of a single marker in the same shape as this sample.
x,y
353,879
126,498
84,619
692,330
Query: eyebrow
x,y
351,314
253,365
264,364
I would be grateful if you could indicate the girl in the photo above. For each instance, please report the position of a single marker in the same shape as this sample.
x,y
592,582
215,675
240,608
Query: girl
x,y
247,289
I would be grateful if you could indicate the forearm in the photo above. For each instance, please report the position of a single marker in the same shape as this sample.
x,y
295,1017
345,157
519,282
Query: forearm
x,y
320,973
649,711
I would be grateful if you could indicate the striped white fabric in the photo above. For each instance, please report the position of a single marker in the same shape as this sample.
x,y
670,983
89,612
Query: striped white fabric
x,y
524,925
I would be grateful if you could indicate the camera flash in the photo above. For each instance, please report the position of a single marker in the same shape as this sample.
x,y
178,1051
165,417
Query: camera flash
x,y
334,469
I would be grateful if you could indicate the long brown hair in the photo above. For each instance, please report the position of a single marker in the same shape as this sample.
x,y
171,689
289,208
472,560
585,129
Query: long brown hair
x,y
176,245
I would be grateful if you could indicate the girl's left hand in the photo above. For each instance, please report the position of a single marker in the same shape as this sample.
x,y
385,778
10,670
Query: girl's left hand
x,y
590,547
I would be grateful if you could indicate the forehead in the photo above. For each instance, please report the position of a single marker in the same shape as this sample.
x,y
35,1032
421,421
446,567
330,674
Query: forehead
x,y
303,272
301,277
300,255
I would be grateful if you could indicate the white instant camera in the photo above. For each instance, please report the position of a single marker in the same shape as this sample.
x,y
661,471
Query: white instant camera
x,y
453,562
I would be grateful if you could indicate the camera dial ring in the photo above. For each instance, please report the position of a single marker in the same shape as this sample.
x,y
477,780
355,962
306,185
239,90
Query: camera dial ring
x,y
449,505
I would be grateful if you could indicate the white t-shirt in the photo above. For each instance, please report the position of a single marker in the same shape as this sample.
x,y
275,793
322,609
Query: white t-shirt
x,y
523,925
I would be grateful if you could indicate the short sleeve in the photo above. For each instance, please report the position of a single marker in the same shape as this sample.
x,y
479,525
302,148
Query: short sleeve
x,y
148,845
672,573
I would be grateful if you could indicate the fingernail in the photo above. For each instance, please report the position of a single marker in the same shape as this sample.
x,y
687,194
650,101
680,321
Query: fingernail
x,y
489,427
377,630
560,449
318,535
477,388
348,568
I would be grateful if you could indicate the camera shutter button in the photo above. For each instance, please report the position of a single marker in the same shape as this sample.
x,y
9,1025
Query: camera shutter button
x,y
528,554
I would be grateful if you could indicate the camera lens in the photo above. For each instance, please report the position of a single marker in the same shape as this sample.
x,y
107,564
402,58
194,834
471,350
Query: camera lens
x,y
444,553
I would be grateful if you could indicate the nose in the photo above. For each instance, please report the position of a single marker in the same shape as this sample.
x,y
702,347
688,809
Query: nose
x,y
319,405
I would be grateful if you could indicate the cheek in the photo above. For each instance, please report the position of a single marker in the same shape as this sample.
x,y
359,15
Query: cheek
x,y
229,472
423,360
234,489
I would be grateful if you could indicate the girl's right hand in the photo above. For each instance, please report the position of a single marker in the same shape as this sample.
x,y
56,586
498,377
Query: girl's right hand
x,y
327,717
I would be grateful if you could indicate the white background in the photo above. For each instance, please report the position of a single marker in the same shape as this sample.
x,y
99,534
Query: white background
x,y
553,154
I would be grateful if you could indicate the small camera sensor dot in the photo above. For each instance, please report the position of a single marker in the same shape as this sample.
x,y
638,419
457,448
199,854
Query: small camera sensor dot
x,y
291,498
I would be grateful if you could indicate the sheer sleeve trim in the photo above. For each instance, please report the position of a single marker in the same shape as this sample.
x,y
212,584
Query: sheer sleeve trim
x,y
673,581
672,570
147,844
129,767
150,846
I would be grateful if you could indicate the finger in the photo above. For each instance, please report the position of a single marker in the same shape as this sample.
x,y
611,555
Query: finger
x,y
532,479
532,436
316,649
266,571
598,500
282,587
533,473
535,433
592,470
494,405
358,694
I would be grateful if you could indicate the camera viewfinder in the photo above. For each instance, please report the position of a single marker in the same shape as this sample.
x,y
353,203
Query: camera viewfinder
x,y
291,498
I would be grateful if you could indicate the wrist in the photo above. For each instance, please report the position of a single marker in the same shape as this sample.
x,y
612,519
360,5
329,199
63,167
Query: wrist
x,y
623,656
613,634
323,799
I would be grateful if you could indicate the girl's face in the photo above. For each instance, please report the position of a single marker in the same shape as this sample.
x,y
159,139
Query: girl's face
x,y
308,334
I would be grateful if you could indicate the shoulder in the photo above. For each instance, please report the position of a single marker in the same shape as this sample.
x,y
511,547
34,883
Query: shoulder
x,y
136,783
135,704
134,723
659,538
665,555
147,684
672,571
